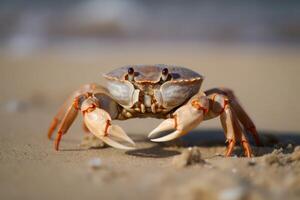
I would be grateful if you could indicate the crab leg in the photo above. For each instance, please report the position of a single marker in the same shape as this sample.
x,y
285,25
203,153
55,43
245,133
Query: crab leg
x,y
242,115
246,121
183,119
233,131
228,126
57,119
63,109
241,136
67,121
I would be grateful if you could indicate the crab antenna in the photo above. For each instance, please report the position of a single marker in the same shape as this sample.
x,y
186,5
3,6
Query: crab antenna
x,y
130,74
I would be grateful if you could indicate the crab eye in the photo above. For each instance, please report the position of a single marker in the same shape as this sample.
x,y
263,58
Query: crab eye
x,y
165,71
165,74
130,71
130,75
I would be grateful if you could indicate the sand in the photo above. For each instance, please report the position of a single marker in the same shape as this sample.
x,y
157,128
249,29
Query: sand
x,y
33,86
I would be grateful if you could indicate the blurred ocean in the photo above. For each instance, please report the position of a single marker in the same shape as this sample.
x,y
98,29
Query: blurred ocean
x,y
31,24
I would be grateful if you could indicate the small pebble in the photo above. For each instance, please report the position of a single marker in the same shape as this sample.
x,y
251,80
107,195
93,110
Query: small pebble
x,y
252,162
95,163
190,156
235,193
218,154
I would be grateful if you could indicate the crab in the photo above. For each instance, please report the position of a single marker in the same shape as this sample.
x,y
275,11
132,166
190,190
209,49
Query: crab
x,y
159,91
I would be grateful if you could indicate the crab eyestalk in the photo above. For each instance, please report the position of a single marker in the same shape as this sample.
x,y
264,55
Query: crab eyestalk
x,y
130,74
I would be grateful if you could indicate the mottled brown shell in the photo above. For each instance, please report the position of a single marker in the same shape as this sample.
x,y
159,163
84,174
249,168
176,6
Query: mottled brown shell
x,y
184,84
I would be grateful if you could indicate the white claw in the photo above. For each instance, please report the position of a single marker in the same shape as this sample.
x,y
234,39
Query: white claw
x,y
184,119
118,132
96,121
168,137
166,125
115,144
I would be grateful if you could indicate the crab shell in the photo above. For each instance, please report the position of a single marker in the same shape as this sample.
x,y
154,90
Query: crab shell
x,y
184,84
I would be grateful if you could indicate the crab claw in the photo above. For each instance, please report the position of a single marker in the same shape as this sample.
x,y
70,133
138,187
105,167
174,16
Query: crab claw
x,y
98,121
166,125
183,120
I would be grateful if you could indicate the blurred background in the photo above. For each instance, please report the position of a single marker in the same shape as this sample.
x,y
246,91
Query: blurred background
x,y
49,48
29,25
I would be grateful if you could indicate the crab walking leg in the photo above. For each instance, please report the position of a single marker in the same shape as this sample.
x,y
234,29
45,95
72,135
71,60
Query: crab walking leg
x,y
242,115
228,126
67,121
241,136
92,87
56,120
221,106
183,119
246,121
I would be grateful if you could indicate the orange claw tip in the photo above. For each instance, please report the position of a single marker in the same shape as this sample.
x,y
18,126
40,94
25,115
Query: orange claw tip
x,y
49,136
57,141
56,147
52,127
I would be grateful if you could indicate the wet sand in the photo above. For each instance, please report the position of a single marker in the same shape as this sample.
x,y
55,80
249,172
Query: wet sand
x,y
33,86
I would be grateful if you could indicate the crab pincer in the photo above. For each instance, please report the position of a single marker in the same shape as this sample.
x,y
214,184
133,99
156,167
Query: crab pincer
x,y
97,121
184,119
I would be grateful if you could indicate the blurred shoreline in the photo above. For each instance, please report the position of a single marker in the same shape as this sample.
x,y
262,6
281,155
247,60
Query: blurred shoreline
x,y
45,23
92,46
